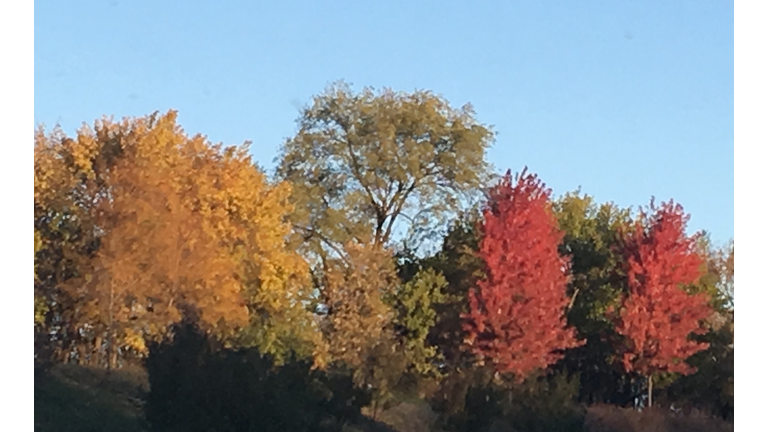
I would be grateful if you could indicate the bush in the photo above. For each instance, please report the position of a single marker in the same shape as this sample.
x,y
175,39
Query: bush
x,y
545,403
197,386
468,401
409,417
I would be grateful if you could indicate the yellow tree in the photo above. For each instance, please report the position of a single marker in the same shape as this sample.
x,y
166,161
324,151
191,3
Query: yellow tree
x,y
64,191
178,222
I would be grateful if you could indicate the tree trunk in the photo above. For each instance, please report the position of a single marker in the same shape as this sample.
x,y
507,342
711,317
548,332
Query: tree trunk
x,y
113,359
82,358
111,329
111,352
96,354
650,391
375,406
63,355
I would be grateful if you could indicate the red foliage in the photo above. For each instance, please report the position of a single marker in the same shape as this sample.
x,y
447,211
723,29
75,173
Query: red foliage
x,y
658,315
516,316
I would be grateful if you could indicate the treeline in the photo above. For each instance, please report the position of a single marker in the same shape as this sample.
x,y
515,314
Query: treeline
x,y
384,261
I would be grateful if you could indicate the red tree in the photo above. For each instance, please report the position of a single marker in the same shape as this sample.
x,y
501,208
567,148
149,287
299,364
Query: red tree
x,y
658,315
516,316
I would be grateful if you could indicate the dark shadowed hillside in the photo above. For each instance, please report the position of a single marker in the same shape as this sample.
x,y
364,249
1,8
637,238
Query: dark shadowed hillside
x,y
75,398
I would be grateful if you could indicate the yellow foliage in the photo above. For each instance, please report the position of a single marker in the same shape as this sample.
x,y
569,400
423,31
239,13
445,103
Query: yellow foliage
x,y
135,341
180,222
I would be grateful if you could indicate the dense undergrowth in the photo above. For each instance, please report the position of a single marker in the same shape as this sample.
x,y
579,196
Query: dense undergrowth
x,y
199,386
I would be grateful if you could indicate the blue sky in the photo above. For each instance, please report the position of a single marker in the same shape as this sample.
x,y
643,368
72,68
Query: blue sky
x,y
627,99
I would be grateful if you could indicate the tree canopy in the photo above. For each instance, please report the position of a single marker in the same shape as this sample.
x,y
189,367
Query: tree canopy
x,y
516,317
159,247
362,162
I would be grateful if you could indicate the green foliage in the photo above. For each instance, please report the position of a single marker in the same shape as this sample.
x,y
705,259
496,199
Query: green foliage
x,y
711,388
717,270
461,267
415,315
468,400
362,162
41,306
591,231
591,237
482,408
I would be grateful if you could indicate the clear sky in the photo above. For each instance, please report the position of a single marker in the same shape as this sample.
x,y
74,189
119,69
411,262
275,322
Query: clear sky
x,y
627,99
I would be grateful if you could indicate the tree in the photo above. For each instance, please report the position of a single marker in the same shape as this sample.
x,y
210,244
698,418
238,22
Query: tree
x,y
415,316
717,273
459,262
516,317
363,162
591,238
140,220
358,325
65,181
156,256
710,388
41,308
658,316
358,316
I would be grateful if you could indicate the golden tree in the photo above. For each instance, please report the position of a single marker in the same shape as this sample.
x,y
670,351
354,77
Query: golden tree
x,y
174,222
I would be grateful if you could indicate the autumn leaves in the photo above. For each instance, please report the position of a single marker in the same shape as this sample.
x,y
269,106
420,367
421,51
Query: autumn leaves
x,y
517,312
142,221
517,316
138,223
658,316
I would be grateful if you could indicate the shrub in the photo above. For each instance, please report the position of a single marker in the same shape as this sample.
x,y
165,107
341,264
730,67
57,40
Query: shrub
x,y
196,385
543,403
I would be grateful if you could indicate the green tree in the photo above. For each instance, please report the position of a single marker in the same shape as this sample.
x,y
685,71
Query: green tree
x,y
367,167
591,236
717,270
415,316
458,262
363,162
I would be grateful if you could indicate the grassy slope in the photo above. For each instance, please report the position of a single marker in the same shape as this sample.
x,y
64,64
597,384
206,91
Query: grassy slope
x,y
75,398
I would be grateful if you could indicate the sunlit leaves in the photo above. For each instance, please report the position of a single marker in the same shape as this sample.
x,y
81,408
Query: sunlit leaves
x,y
516,318
659,316
358,317
366,164
150,221
414,303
